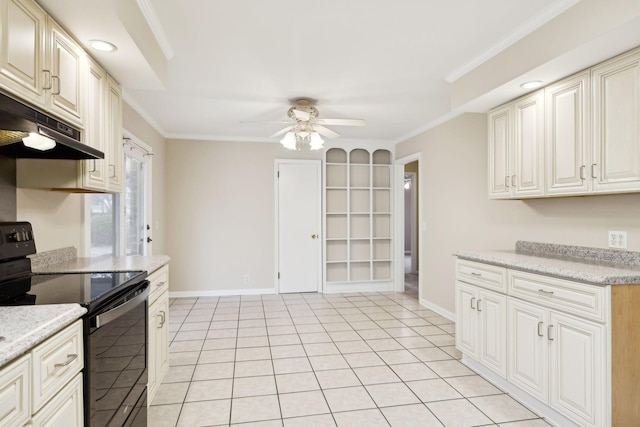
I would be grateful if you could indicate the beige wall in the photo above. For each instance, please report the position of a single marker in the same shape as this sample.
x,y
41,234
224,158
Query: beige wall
x,y
220,205
57,218
458,214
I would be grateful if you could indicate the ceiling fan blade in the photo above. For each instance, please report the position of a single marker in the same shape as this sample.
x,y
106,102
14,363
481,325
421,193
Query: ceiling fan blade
x,y
282,131
301,115
341,122
325,131
282,122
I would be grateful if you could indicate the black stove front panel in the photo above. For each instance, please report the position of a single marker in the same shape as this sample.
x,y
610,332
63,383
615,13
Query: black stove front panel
x,y
16,240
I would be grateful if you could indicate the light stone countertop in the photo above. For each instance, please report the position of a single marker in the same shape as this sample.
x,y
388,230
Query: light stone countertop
x,y
104,264
592,271
23,327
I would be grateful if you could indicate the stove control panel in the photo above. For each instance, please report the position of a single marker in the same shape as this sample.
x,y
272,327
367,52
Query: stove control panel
x,y
16,240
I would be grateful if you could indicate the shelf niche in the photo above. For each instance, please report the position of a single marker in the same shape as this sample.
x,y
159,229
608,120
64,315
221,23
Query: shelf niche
x,y
358,241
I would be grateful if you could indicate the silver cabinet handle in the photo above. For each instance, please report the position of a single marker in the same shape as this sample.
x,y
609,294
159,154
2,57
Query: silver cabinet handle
x,y
582,168
478,305
164,318
540,333
543,292
513,180
94,166
593,170
472,301
473,273
70,358
50,82
161,321
160,284
57,79
506,181
549,332
114,171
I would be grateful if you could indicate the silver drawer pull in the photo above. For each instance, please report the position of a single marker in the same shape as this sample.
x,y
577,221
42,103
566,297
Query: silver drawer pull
x,y
70,358
549,328
540,333
478,305
542,291
472,301
161,284
473,273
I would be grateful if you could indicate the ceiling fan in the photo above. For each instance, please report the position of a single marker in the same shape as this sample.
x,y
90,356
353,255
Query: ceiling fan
x,y
306,126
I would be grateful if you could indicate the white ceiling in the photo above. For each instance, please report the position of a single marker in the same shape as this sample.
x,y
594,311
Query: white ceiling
x,y
200,68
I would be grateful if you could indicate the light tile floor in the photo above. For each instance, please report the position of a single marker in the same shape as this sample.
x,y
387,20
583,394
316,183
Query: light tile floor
x,y
322,360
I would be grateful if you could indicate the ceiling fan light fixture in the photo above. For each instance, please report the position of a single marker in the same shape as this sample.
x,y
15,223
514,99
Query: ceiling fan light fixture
x,y
289,141
315,141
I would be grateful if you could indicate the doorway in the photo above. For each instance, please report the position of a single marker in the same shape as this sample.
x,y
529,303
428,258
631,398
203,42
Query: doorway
x,y
407,222
298,225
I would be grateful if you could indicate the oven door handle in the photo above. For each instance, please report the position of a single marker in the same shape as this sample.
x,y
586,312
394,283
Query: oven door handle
x,y
114,313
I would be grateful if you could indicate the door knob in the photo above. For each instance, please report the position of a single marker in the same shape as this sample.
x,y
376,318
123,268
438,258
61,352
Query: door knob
x,y
313,236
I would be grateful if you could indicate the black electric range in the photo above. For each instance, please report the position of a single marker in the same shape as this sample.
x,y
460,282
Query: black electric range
x,y
115,326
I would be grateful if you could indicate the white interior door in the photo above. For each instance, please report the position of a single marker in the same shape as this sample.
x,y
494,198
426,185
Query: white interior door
x,y
299,212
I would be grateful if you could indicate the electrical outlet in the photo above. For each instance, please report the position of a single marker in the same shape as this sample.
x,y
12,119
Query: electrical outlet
x,y
246,278
618,239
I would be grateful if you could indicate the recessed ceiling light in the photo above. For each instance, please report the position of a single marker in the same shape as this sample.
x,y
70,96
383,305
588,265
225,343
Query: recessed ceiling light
x,y
102,46
531,85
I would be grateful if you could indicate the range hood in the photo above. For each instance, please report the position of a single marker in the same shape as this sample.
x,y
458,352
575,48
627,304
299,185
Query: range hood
x,y
29,134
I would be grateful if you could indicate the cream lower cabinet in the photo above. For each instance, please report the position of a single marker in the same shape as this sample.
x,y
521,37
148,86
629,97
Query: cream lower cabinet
x,y
571,350
158,365
480,330
558,358
44,387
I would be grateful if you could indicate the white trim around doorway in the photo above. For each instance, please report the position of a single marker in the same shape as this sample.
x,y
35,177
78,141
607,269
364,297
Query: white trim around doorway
x,y
398,223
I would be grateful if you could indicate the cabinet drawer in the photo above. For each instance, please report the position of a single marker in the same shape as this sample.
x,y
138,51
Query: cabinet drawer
x,y
55,362
159,280
571,297
15,380
485,275
65,408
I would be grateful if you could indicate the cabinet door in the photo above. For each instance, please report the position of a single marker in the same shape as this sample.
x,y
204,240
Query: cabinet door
x,y
22,50
64,409
492,312
158,343
577,374
94,171
15,388
500,138
528,349
466,319
616,124
567,137
114,137
65,59
528,146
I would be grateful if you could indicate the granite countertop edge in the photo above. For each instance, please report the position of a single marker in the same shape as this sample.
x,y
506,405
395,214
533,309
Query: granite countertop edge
x,y
104,264
24,327
570,268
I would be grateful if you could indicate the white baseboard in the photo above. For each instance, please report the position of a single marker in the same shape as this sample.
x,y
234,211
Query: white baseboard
x,y
222,293
437,309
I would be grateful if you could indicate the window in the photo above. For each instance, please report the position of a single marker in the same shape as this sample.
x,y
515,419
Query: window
x,y
119,223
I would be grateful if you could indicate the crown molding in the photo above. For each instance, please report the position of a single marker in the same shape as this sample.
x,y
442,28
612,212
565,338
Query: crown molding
x,y
151,17
528,27
440,120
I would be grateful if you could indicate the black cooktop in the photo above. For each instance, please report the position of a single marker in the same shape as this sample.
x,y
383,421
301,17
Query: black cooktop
x,y
87,289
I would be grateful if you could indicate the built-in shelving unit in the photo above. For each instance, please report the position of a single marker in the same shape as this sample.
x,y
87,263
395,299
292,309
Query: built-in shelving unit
x,y
357,220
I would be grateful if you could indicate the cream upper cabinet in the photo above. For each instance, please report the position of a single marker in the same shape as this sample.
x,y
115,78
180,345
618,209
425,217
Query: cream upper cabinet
x,y
516,150
567,136
500,137
64,60
22,50
616,124
93,172
115,164
528,146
